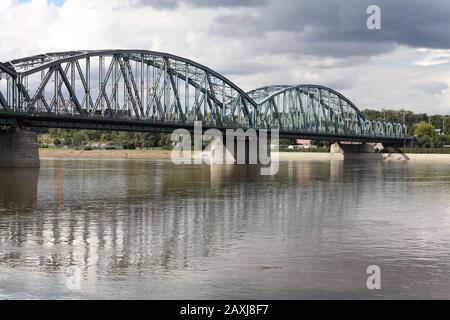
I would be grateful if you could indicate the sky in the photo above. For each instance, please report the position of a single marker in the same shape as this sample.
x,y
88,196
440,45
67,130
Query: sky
x,y
405,64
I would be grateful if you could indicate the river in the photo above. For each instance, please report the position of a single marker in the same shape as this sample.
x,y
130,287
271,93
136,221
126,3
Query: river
x,y
137,229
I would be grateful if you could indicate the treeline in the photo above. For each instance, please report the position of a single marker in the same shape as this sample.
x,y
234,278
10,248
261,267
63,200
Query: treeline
x,y
110,139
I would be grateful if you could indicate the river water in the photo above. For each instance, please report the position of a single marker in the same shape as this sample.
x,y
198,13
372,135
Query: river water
x,y
101,229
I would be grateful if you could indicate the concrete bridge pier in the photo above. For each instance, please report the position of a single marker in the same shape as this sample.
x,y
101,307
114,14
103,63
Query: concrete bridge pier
x,y
366,151
246,150
19,149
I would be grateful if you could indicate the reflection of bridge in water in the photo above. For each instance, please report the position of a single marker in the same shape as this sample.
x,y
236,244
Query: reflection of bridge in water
x,y
139,90
150,229
159,223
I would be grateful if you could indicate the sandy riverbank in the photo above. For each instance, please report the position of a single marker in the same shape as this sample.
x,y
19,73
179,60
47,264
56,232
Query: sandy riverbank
x,y
153,154
291,156
104,154
283,156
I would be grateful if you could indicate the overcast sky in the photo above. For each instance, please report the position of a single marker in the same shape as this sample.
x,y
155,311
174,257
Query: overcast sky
x,y
406,64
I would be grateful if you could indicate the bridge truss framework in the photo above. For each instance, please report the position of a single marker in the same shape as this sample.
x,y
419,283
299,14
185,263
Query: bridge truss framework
x,y
140,90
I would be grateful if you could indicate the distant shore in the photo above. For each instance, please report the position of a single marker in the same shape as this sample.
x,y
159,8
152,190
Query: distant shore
x,y
104,154
283,156
63,153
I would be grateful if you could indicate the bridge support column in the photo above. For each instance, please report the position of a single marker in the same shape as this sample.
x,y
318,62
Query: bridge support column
x,y
337,153
19,149
245,150
340,151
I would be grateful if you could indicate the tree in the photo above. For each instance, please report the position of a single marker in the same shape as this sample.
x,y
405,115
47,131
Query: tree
x,y
68,141
165,141
129,146
439,141
151,140
106,136
67,136
93,135
371,114
424,129
57,142
79,138
54,133
425,141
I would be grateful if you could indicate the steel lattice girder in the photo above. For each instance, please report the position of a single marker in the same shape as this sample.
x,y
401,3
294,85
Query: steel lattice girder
x,y
155,87
135,85
317,109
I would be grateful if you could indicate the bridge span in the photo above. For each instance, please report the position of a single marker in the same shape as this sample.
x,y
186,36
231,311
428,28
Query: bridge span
x,y
139,90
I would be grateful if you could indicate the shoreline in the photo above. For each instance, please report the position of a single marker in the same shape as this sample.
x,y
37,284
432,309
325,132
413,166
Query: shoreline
x,y
283,156
104,154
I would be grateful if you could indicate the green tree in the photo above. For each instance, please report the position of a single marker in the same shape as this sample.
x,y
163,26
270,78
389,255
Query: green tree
x,y
151,140
424,129
106,136
79,138
54,133
439,141
93,135
165,141
371,114
425,141
68,141
57,142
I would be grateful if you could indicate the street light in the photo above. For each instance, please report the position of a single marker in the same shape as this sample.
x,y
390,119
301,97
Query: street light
x,y
443,125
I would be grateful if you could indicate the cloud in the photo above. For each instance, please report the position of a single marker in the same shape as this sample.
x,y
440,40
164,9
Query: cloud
x,y
433,57
171,4
435,88
256,43
338,28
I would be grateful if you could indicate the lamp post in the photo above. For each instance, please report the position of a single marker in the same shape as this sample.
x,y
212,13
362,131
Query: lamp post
x,y
443,125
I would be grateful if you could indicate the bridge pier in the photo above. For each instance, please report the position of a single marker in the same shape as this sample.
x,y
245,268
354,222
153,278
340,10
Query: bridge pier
x,y
246,150
340,151
19,149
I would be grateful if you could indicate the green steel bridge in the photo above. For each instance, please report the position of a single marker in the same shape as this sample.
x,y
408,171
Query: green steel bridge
x,y
138,90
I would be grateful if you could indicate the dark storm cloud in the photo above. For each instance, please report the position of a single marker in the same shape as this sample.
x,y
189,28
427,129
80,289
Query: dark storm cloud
x,y
171,4
338,28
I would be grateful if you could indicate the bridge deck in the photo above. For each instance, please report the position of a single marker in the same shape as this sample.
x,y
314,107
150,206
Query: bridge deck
x,y
83,123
